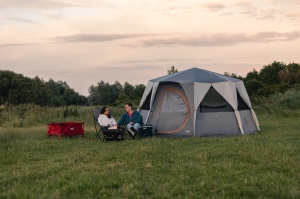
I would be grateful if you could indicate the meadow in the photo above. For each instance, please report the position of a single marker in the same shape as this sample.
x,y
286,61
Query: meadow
x,y
260,165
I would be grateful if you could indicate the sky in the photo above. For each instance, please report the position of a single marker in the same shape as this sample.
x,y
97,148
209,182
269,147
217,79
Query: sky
x,y
84,42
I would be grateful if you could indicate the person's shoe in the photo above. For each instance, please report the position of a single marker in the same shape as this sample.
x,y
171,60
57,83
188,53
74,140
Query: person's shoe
x,y
134,131
131,133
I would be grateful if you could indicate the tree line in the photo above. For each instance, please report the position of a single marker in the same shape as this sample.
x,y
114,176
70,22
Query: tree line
x,y
114,94
276,77
17,89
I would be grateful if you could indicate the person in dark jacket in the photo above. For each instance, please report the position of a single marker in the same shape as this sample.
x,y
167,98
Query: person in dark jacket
x,y
132,119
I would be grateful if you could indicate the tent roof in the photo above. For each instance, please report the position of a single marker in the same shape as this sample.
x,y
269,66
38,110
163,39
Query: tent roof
x,y
195,75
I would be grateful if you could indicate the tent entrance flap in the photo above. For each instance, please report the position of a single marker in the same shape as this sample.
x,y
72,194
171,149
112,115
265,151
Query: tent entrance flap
x,y
174,112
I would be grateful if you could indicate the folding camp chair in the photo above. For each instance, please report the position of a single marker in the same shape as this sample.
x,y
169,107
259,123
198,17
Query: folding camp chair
x,y
98,127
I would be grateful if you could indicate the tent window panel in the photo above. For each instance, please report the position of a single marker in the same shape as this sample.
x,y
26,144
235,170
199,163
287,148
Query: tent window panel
x,y
214,102
146,105
241,103
172,103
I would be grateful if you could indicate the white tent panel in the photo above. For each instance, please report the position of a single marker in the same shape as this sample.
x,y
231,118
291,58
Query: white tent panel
x,y
238,117
146,93
200,90
248,123
154,90
255,119
228,91
243,93
144,114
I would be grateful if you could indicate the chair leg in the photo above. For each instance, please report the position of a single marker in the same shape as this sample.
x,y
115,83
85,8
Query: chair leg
x,y
98,135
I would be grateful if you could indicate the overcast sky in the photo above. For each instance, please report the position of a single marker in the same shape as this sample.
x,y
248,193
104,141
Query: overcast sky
x,y
84,42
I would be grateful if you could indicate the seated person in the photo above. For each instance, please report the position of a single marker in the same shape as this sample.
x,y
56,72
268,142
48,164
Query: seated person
x,y
105,119
132,119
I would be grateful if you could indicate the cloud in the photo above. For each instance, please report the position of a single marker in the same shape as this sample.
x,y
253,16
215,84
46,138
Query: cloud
x,y
254,10
20,19
52,4
267,14
154,60
245,3
35,4
248,9
15,44
212,7
177,11
95,37
223,39
151,40
293,15
77,38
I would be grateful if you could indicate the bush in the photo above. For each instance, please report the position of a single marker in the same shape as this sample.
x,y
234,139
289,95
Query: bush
x,y
284,104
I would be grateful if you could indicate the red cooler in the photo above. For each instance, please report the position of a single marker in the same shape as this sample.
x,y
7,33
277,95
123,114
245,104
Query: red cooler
x,y
65,128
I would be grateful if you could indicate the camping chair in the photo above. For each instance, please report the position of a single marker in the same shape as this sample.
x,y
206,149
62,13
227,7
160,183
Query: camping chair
x,y
98,128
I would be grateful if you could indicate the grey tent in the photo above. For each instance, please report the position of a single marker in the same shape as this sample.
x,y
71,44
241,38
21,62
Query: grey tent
x,y
197,102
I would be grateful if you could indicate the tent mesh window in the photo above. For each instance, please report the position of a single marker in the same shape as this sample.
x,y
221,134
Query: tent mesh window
x,y
214,102
241,103
146,105
172,102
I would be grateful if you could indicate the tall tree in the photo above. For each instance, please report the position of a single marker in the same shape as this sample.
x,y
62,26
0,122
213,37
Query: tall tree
x,y
291,74
252,75
6,78
172,70
253,86
41,93
139,90
116,90
269,74
233,75
104,92
94,96
128,89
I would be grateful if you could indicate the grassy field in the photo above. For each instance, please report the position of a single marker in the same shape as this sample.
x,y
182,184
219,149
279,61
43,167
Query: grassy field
x,y
261,165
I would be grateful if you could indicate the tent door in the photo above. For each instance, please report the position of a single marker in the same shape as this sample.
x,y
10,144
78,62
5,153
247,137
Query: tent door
x,y
174,111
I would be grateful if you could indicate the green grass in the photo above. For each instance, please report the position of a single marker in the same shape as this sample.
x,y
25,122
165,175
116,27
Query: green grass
x,y
261,165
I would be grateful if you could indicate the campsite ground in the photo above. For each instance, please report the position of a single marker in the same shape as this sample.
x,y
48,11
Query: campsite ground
x,y
261,165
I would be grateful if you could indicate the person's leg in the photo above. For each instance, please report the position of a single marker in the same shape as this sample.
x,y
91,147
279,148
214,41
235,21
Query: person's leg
x,y
128,126
129,130
137,126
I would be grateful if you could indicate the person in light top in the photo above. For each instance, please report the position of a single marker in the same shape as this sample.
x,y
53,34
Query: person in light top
x,y
105,119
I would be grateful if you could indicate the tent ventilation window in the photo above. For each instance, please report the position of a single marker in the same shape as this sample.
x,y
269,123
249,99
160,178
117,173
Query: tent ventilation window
x,y
214,102
146,105
241,103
